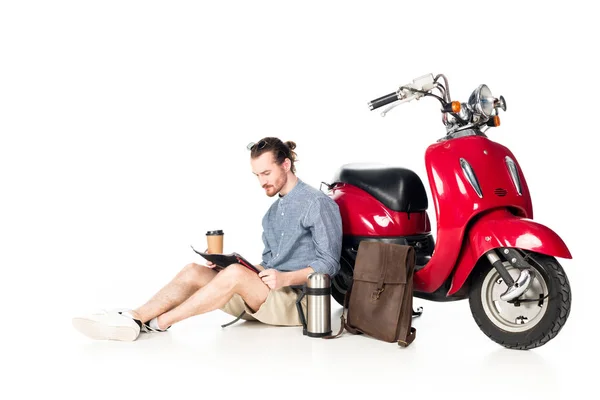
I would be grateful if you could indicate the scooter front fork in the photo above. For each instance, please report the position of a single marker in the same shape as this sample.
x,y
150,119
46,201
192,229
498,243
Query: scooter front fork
x,y
515,288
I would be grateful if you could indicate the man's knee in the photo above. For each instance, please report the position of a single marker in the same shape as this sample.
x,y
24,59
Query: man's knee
x,y
240,280
236,275
194,273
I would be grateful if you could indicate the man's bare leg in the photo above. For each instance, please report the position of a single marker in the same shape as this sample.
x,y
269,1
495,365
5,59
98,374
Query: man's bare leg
x,y
187,282
217,292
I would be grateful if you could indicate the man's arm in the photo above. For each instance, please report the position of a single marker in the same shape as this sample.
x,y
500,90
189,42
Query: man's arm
x,y
298,277
275,279
266,254
325,223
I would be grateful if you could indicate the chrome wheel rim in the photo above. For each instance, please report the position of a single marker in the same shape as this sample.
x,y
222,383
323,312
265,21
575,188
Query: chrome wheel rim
x,y
508,316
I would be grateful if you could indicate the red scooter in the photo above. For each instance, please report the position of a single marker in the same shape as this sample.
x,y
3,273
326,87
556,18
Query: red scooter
x,y
487,249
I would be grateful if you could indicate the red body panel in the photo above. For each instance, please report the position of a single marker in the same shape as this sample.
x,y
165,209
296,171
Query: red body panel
x,y
501,217
456,202
363,215
500,228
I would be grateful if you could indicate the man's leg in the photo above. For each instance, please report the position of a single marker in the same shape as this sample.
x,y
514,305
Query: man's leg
x,y
128,324
195,290
191,278
217,292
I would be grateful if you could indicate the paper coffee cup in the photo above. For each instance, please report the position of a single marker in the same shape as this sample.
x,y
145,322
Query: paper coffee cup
x,y
214,239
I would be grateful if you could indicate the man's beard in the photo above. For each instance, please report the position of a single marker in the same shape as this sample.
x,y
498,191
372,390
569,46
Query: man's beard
x,y
272,190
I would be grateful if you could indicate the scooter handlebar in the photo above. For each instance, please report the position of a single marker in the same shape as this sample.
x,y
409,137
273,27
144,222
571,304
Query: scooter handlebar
x,y
414,90
382,101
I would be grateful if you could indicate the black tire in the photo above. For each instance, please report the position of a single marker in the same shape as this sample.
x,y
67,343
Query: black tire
x,y
342,280
539,321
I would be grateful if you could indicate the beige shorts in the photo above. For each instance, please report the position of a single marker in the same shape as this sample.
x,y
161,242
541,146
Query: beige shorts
x,y
278,309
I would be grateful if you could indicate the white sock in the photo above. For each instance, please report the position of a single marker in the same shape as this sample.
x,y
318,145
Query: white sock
x,y
154,324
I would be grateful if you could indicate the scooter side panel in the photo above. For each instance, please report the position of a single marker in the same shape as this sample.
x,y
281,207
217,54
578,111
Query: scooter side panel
x,y
429,278
455,199
363,215
457,202
500,228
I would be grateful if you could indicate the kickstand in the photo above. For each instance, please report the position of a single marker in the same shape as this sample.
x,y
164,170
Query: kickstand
x,y
418,312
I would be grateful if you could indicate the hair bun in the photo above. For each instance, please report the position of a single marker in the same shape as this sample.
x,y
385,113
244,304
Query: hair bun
x,y
290,144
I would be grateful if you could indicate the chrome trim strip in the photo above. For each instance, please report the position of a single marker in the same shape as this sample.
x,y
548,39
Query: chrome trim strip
x,y
470,175
514,174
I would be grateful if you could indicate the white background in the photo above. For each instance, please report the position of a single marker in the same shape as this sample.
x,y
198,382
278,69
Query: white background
x,y
123,131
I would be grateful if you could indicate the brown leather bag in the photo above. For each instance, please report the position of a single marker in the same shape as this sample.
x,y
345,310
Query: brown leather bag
x,y
380,300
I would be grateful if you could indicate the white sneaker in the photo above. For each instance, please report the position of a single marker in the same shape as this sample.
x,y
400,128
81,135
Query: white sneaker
x,y
108,325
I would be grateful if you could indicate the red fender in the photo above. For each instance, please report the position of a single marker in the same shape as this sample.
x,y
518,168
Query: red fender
x,y
500,228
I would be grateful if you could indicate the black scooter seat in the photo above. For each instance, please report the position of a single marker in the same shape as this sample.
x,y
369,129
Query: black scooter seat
x,y
398,189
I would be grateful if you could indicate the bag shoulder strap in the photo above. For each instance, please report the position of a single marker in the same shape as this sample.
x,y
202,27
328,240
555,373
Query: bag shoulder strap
x,y
343,323
409,339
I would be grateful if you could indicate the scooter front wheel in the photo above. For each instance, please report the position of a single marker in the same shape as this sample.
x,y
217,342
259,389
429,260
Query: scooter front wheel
x,y
535,317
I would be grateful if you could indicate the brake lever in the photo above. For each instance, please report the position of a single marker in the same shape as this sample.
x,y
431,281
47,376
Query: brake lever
x,y
396,104
423,83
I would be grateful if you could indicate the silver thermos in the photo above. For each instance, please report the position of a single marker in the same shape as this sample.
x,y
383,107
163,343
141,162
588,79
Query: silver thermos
x,y
317,322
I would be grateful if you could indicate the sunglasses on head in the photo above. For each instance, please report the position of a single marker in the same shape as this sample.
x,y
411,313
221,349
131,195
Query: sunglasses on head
x,y
259,146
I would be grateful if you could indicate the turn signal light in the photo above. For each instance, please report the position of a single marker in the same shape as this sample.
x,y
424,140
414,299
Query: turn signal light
x,y
495,122
452,107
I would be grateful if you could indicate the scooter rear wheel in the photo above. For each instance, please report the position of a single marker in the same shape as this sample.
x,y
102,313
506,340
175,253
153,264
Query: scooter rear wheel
x,y
342,281
536,318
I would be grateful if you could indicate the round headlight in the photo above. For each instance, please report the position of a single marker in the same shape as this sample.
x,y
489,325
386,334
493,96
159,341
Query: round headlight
x,y
482,101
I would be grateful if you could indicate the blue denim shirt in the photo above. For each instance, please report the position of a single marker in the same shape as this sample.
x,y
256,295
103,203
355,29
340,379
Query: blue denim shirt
x,y
303,229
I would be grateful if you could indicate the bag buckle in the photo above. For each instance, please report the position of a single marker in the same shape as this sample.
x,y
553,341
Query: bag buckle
x,y
375,295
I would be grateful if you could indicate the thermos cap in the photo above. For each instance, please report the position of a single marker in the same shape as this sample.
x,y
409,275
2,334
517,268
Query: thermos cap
x,y
318,281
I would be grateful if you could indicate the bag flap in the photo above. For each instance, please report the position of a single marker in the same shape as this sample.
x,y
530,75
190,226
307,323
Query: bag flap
x,y
388,260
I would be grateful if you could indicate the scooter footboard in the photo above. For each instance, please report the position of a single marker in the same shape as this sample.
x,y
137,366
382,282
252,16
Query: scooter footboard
x,y
500,228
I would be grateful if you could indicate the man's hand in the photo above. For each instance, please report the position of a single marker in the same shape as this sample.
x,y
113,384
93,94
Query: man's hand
x,y
209,264
272,278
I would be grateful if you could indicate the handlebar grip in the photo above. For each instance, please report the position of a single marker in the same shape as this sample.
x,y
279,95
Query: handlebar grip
x,y
382,101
